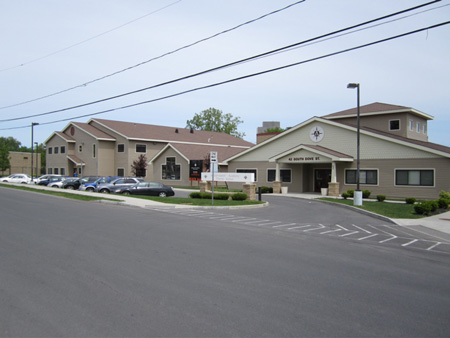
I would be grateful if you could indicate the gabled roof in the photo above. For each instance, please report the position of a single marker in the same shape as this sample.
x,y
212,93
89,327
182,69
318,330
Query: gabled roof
x,y
65,137
94,132
149,132
376,108
334,155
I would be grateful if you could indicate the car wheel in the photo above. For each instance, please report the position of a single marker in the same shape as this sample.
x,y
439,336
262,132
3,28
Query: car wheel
x,y
104,191
90,189
70,187
126,193
162,194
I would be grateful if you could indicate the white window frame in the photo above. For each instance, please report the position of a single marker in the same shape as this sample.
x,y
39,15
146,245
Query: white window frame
x,y
119,168
418,127
411,125
140,152
424,128
414,186
121,144
176,163
399,125
94,150
362,169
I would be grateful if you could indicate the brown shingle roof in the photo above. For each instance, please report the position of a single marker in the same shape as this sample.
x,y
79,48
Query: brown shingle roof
x,y
93,131
169,134
199,152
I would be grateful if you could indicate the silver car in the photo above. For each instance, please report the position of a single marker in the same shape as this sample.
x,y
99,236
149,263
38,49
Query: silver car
x,y
118,184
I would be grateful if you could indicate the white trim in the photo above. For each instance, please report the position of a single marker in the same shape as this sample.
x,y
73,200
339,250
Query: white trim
x,y
117,150
152,160
118,168
313,150
399,125
362,169
92,135
414,186
405,110
176,163
140,152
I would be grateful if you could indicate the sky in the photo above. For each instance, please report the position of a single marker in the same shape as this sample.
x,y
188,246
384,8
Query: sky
x,y
52,46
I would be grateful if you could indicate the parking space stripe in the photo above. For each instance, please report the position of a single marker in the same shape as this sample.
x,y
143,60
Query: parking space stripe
x,y
413,241
327,232
362,238
341,227
433,246
348,234
362,229
388,239
299,227
320,227
283,225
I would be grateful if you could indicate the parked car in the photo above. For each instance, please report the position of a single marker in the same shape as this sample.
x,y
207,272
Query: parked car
x,y
148,189
117,184
44,178
57,181
17,178
92,185
72,183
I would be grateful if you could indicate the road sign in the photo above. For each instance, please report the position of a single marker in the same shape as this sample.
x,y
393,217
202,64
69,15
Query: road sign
x,y
213,156
229,177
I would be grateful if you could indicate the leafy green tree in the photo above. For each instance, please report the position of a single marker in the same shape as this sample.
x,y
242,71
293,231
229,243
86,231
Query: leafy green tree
x,y
275,130
4,158
10,143
215,120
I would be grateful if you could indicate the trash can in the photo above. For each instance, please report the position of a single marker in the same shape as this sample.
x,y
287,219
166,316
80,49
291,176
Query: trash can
x,y
324,191
284,190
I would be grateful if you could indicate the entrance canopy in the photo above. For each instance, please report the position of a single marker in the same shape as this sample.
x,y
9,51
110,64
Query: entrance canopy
x,y
305,153
78,162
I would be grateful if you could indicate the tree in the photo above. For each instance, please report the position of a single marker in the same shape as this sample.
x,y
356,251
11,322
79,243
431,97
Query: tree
x,y
275,130
139,165
10,143
4,158
215,120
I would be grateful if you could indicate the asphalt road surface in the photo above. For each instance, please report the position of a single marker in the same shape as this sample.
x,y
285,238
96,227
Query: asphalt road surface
x,y
70,268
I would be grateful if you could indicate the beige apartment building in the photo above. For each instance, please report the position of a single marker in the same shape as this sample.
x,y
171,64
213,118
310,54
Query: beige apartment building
x,y
108,148
21,163
396,158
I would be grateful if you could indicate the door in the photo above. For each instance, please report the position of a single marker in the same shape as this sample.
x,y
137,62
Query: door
x,y
321,179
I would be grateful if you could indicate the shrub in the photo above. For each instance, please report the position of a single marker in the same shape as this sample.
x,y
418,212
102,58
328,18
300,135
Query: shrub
x,y
206,195
443,203
423,208
350,192
434,205
410,200
223,197
366,193
195,195
266,190
444,194
345,195
239,196
381,198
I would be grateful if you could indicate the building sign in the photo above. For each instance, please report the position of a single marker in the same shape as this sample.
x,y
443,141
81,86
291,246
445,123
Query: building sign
x,y
304,159
229,177
195,170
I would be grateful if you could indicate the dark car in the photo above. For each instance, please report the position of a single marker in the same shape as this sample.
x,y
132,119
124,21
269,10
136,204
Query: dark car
x,y
148,189
72,183
92,185
51,180
117,184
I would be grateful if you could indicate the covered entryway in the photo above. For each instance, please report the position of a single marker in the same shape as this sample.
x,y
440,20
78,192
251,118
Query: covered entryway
x,y
321,179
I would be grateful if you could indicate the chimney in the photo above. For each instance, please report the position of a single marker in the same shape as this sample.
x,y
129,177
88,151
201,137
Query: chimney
x,y
192,130
176,131
262,133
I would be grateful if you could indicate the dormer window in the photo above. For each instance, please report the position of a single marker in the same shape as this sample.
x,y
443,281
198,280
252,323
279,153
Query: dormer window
x,y
418,127
394,125
425,129
411,125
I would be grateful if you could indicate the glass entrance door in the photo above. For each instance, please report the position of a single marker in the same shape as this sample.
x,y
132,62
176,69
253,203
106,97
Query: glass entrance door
x,y
321,179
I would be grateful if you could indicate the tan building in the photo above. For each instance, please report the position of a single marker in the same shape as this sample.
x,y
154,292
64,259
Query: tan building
x,y
108,148
396,158
21,164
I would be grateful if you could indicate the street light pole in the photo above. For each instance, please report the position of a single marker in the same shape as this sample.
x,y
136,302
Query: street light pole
x,y
37,158
357,198
32,152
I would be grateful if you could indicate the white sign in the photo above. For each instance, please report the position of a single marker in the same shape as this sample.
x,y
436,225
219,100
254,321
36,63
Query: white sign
x,y
229,177
213,156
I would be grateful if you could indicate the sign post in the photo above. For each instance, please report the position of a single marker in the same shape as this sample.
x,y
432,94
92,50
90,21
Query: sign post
x,y
213,164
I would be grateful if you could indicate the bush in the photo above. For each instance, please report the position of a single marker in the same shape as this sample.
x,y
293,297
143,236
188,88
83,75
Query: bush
x,y
443,203
434,205
222,197
195,195
345,195
206,195
266,190
423,208
239,196
381,198
350,192
366,193
410,200
444,194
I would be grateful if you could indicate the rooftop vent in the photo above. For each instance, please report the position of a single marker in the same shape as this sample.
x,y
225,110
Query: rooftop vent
x,y
176,131
192,130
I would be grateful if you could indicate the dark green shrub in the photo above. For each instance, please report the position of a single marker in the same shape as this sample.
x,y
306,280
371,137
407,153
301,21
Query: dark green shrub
x,y
345,195
444,194
381,198
239,196
206,195
434,205
266,190
443,203
410,200
195,195
350,192
423,208
222,197
366,193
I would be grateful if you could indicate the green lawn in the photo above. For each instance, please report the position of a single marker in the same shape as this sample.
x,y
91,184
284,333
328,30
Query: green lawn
x,y
392,210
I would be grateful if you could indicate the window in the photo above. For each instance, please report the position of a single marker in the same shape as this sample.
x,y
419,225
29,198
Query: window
x,y
56,150
50,150
418,127
411,125
171,170
253,171
63,149
94,151
394,125
120,172
415,177
425,129
141,148
285,175
120,148
80,148
56,171
365,176
63,171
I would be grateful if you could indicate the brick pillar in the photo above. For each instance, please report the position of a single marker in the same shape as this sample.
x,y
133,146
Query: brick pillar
x,y
276,187
250,190
203,186
333,189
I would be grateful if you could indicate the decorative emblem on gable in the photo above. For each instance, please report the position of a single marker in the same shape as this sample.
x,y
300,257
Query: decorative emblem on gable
x,y
316,134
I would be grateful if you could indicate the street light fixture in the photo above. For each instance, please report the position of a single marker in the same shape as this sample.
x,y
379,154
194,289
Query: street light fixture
x,y
32,152
37,158
357,198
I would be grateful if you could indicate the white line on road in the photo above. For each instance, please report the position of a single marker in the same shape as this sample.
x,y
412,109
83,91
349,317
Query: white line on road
x,y
413,241
321,226
362,229
283,225
350,233
341,227
327,232
299,227
388,239
433,246
362,238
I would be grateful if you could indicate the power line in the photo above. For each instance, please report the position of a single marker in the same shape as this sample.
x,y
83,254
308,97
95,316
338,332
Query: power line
x,y
245,76
223,66
155,58
87,40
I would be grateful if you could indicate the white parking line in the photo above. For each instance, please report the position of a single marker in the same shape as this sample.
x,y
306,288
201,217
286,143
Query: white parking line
x,y
433,246
299,227
362,229
321,226
283,225
388,239
327,232
348,234
341,227
413,241
362,238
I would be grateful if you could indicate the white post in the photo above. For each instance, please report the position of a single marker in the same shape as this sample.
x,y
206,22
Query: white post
x,y
277,172
333,172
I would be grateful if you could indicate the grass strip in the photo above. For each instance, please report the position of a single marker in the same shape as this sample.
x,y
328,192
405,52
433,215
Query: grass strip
x,y
197,201
391,210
